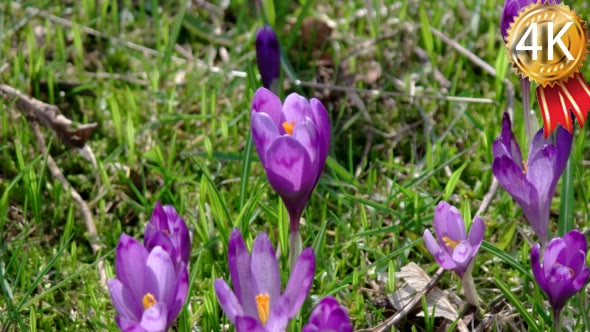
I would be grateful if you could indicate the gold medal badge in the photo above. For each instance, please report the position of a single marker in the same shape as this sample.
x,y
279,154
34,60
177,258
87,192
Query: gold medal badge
x,y
548,44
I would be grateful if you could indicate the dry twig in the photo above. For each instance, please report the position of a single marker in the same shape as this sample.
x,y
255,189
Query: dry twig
x,y
50,116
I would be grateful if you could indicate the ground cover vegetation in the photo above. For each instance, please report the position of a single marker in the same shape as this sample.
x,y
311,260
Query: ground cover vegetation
x,y
125,125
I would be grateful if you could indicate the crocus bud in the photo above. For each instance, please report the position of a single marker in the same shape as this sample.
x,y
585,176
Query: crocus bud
x,y
564,271
256,303
328,316
168,230
531,183
268,56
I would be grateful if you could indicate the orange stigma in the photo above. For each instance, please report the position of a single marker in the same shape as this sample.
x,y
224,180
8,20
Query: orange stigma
x,y
148,301
263,306
450,243
288,126
525,167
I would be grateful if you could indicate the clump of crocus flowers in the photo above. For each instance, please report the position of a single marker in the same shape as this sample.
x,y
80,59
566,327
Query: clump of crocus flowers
x,y
531,183
293,141
455,249
257,304
152,279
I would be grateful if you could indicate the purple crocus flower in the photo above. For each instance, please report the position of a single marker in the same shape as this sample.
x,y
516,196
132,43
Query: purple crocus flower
x,y
328,316
148,293
292,141
268,55
454,249
256,302
168,230
532,183
564,271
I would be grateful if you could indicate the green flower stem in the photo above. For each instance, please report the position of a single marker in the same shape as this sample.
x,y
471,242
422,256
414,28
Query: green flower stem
x,y
295,249
469,287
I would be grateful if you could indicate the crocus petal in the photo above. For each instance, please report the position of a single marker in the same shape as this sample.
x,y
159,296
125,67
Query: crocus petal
x,y
563,145
287,168
506,144
238,259
123,300
127,325
227,300
552,253
154,318
179,294
581,278
300,282
441,256
575,261
279,315
160,276
179,234
560,286
295,109
537,268
162,240
575,241
264,132
511,8
541,174
513,180
130,264
322,124
159,218
265,101
476,233
462,256
248,324
264,267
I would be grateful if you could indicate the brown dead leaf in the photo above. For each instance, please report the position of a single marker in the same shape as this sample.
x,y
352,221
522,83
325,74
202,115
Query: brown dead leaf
x,y
314,33
437,300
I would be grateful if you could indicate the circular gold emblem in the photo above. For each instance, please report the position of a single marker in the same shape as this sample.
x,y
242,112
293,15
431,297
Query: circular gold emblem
x,y
547,42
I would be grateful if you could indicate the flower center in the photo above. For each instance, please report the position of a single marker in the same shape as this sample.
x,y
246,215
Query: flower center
x,y
148,301
167,232
263,306
288,126
525,167
450,242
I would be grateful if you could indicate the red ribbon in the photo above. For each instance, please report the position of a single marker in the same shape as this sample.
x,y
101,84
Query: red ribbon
x,y
557,101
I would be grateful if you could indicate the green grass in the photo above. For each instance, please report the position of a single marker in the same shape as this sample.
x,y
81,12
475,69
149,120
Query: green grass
x,y
172,129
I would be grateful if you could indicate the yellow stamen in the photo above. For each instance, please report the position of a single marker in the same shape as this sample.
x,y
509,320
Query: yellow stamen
x,y
148,301
263,306
525,167
571,271
449,242
288,126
